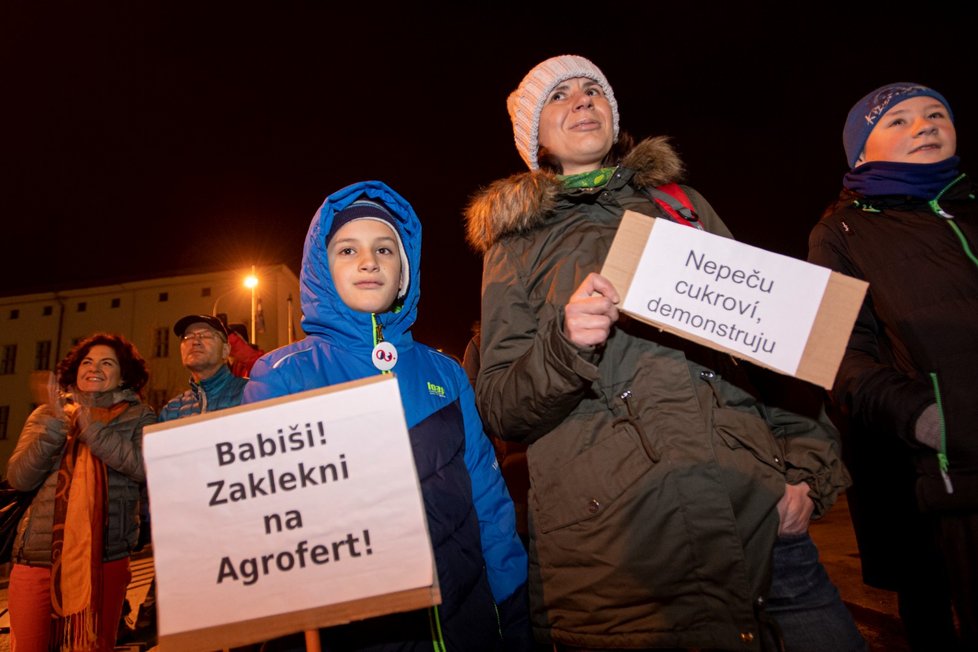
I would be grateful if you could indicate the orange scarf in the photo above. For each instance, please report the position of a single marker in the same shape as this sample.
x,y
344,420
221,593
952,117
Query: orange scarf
x,y
77,546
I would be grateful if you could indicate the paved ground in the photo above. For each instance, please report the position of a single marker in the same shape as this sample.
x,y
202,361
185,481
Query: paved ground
x,y
875,611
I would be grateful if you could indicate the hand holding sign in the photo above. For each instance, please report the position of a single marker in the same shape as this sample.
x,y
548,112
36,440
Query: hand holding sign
x,y
591,311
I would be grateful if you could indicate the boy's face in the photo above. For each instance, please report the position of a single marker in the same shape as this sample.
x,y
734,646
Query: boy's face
x,y
365,264
917,130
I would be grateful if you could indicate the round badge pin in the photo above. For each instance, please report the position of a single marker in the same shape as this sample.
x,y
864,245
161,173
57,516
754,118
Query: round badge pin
x,y
385,356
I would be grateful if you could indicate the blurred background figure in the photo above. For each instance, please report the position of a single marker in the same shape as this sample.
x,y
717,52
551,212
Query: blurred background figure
x,y
82,450
243,354
205,347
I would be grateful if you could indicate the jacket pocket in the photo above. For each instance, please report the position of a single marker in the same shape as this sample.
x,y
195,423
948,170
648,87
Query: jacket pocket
x,y
588,484
744,430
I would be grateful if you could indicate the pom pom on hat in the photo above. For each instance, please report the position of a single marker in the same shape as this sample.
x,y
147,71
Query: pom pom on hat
x,y
526,102
365,209
866,113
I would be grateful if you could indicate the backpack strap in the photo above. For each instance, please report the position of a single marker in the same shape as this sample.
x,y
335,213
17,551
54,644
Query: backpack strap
x,y
676,204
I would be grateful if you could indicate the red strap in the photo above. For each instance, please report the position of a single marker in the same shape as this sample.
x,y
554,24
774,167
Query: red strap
x,y
676,192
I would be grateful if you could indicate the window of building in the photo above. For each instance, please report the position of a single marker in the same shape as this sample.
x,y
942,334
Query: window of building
x,y
8,359
205,292
164,296
14,313
46,311
42,355
161,342
4,420
82,306
116,302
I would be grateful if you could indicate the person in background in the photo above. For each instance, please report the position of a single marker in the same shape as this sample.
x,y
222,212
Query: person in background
x,y
669,506
243,354
204,350
360,281
906,221
82,447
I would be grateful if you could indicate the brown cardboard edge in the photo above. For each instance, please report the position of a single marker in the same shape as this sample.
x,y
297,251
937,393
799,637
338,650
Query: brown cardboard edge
x,y
269,627
826,343
626,250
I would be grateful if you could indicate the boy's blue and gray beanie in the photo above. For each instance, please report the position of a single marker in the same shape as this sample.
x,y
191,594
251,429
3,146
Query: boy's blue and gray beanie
x,y
866,113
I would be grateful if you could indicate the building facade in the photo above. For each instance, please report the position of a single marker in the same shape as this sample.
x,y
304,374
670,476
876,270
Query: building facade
x,y
37,330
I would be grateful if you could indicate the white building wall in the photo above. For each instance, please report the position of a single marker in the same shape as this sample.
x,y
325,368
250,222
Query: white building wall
x,y
143,309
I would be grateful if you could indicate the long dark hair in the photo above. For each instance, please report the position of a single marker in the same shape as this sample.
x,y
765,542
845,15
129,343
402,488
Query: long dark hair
x,y
132,367
619,148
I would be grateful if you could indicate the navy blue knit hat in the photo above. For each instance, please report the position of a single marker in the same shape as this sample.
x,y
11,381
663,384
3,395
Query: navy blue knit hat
x,y
864,115
365,209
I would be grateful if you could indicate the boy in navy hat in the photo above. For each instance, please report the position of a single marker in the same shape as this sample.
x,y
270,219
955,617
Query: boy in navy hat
x,y
907,222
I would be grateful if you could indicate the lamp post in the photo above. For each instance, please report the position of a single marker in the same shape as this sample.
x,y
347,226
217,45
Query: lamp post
x,y
214,309
252,282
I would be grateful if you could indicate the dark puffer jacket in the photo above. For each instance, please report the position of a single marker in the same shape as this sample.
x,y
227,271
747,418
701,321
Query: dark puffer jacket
x,y
654,481
915,341
37,458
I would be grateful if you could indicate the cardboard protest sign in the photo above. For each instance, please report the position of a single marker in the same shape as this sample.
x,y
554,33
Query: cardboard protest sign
x,y
286,515
774,310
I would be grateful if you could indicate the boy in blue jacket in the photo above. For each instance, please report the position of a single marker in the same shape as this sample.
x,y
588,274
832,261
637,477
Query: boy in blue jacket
x,y
359,291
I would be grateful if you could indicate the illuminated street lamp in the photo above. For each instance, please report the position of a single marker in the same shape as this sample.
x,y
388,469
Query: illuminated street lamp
x,y
251,281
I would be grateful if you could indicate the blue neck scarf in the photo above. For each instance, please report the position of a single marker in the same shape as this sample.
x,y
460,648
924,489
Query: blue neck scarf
x,y
922,180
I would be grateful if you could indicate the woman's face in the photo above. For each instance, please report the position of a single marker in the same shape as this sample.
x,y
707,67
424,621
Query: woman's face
x,y
99,370
577,125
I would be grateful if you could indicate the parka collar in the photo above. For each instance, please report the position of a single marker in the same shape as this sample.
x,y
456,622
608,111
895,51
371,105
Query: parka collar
x,y
521,202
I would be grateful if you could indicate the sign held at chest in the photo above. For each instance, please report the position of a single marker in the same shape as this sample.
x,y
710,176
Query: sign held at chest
x,y
774,310
287,515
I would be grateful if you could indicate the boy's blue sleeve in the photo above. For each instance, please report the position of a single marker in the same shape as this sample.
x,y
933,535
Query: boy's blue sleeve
x,y
264,382
506,562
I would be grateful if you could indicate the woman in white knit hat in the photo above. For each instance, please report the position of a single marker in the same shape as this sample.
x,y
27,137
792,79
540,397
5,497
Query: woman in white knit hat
x,y
659,484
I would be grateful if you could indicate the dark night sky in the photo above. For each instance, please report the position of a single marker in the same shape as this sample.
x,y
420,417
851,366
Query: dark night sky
x,y
143,139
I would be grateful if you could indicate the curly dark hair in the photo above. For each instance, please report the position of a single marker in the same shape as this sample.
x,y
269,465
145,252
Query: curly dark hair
x,y
131,365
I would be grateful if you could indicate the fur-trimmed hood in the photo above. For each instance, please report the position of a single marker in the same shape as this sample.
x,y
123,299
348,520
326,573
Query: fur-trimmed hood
x,y
520,202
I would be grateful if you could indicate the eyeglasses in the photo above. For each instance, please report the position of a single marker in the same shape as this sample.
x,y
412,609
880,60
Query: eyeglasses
x,y
203,336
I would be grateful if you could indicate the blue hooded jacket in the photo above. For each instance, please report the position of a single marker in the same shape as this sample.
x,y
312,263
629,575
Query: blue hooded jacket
x,y
470,514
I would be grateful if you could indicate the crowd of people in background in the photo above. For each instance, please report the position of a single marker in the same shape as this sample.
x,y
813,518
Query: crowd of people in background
x,y
590,482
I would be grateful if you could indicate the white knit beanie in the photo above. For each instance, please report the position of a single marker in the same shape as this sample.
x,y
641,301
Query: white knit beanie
x,y
526,102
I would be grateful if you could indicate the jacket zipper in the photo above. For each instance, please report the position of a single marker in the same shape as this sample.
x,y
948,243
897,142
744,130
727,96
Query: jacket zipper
x,y
942,460
652,454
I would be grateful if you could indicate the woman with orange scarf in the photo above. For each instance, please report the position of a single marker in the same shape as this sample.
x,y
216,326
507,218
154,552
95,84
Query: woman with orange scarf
x,y
82,451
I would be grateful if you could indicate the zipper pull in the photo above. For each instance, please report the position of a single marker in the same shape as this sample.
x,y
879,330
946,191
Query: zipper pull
x,y
943,463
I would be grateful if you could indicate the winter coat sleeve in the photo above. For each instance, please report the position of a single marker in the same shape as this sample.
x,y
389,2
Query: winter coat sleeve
x,y
120,443
264,382
531,377
38,450
873,393
503,552
505,556
811,455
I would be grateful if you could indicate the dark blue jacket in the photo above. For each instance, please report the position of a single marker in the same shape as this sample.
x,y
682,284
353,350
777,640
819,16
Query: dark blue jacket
x,y
470,515
222,390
